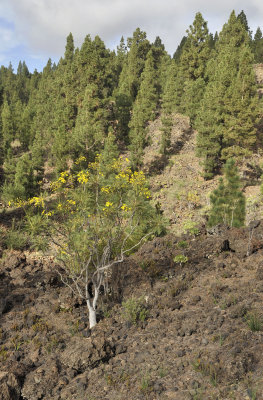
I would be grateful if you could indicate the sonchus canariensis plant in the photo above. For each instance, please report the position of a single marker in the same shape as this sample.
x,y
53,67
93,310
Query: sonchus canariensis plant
x,y
102,213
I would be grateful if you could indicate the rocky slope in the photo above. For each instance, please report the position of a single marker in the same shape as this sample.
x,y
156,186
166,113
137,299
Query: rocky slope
x,y
201,338
198,329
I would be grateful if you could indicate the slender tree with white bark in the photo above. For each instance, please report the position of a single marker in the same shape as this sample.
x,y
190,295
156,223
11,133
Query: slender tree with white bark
x,y
101,214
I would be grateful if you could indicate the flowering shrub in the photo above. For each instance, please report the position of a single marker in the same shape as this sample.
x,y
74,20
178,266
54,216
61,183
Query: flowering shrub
x,y
97,216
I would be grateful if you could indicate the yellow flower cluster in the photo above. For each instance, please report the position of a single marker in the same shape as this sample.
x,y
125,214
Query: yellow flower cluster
x,y
108,206
63,177
72,202
18,203
83,177
36,201
47,213
116,164
80,159
61,180
146,193
123,175
124,207
137,178
105,189
68,206
96,163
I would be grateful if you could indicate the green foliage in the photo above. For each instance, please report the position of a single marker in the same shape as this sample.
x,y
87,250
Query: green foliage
x,y
36,226
21,182
257,46
191,74
180,259
14,238
229,111
143,111
3,354
134,310
254,321
191,227
182,244
146,384
99,214
228,201
178,52
168,107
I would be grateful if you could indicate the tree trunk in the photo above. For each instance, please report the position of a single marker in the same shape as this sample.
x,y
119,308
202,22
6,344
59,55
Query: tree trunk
x,y
92,315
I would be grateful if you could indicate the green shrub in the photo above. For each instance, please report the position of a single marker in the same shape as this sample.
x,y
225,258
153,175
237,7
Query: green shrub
x,y
134,310
191,227
180,259
254,321
182,244
14,238
35,227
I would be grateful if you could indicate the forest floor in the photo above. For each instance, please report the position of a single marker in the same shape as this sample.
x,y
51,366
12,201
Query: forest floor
x,y
200,336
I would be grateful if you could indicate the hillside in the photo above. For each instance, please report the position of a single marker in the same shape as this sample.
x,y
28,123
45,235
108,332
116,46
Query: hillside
x,y
201,338
101,187
177,183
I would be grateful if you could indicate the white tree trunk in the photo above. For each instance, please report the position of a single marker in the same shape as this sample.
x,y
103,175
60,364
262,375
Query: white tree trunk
x,y
92,315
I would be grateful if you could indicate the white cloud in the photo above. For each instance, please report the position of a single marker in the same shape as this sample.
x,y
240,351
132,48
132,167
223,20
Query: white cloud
x,y
8,41
43,25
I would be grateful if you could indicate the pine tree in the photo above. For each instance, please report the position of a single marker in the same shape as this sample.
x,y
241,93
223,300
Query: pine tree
x,y
91,124
121,57
178,52
69,51
109,153
44,107
143,111
8,128
129,82
230,100
123,103
139,47
193,60
241,102
257,46
168,107
209,138
20,182
228,201
243,19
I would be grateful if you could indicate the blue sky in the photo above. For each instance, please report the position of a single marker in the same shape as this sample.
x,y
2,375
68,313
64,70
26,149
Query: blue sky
x,y
34,30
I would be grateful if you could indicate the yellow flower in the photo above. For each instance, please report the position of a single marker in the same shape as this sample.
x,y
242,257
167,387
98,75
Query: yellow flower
x,y
37,201
81,158
71,202
105,189
108,204
124,207
83,177
63,177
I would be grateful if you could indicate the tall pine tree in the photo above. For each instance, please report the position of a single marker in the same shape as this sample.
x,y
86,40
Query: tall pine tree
x,y
230,100
143,111
228,201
